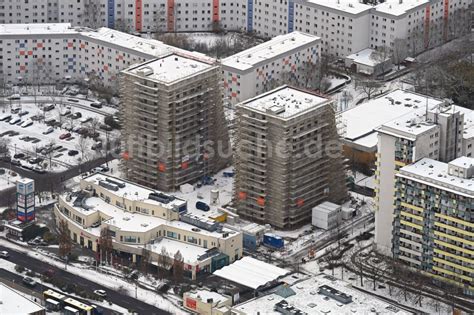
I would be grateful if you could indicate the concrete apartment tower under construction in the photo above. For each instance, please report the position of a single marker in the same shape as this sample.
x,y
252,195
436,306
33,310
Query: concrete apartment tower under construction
x,y
173,121
288,157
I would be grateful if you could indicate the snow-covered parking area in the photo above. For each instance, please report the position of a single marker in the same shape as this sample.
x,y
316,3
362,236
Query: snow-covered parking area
x,y
53,133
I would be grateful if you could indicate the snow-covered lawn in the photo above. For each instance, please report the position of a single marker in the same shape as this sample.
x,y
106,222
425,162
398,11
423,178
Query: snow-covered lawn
x,y
108,280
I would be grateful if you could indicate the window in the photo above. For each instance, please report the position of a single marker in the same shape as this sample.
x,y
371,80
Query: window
x,y
129,239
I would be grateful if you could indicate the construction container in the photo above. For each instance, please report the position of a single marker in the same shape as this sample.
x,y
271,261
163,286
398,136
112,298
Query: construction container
x,y
272,240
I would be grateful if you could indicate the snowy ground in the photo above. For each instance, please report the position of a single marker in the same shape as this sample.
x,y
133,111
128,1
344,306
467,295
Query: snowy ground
x,y
108,280
60,158
223,184
210,39
8,179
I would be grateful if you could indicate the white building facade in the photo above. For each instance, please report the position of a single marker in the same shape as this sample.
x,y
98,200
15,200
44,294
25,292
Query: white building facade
x,y
55,52
252,71
345,26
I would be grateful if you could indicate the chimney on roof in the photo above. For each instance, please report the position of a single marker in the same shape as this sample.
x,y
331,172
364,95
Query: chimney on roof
x,y
400,1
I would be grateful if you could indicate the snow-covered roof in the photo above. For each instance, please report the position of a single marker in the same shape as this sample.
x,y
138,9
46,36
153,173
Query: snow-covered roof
x,y
348,6
251,272
12,302
205,295
435,173
368,57
409,125
397,7
224,186
133,191
190,252
309,301
169,68
285,102
327,207
463,161
363,119
36,29
274,48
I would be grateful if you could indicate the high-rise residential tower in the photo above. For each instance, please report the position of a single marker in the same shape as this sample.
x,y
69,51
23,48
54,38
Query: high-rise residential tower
x,y
287,157
173,121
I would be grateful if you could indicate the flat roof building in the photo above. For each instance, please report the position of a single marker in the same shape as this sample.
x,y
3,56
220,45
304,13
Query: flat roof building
x,y
320,294
12,302
432,219
252,71
173,121
360,134
283,164
142,219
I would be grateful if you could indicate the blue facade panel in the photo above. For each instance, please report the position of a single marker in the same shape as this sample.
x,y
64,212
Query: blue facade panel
x,y
249,16
111,13
291,15
249,242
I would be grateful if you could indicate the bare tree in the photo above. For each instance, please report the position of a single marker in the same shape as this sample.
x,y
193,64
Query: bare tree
x,y
4,144
145,260
332,257
369,87
50,152
82,146
159,19
400,51
380,56
91,16
178,266
105,245
93,125
164,261
64,239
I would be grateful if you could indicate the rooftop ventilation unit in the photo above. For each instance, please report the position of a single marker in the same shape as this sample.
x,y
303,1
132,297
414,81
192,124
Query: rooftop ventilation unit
x,y
145,71
161,197
108,185
119,184
335,294
204,224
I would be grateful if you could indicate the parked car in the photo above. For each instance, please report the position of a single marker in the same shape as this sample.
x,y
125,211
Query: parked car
x,y
65,136
23,113
15,120
35,160
48,107
95,224
27,123
15,110
202,206
97,145
73,152
4,254
19,156
5,117
15,162
29,281
14,97
73,100
66,112
101,293
85,120
96,105
76,115
49,130
39,170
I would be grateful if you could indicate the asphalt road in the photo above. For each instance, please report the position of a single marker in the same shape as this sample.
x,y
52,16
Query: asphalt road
x,y
112,296
52,181
40,288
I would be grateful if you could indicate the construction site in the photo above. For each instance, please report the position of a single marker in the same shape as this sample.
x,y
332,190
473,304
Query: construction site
x,y
173,121
287,157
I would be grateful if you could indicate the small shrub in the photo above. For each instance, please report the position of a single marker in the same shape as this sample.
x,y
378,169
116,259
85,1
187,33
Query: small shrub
x,y
19,268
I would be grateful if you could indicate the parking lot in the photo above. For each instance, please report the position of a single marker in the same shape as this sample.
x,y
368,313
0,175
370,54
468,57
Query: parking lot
x,y
51,134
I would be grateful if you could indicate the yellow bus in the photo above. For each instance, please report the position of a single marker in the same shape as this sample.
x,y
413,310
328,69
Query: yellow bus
x,y
83,309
